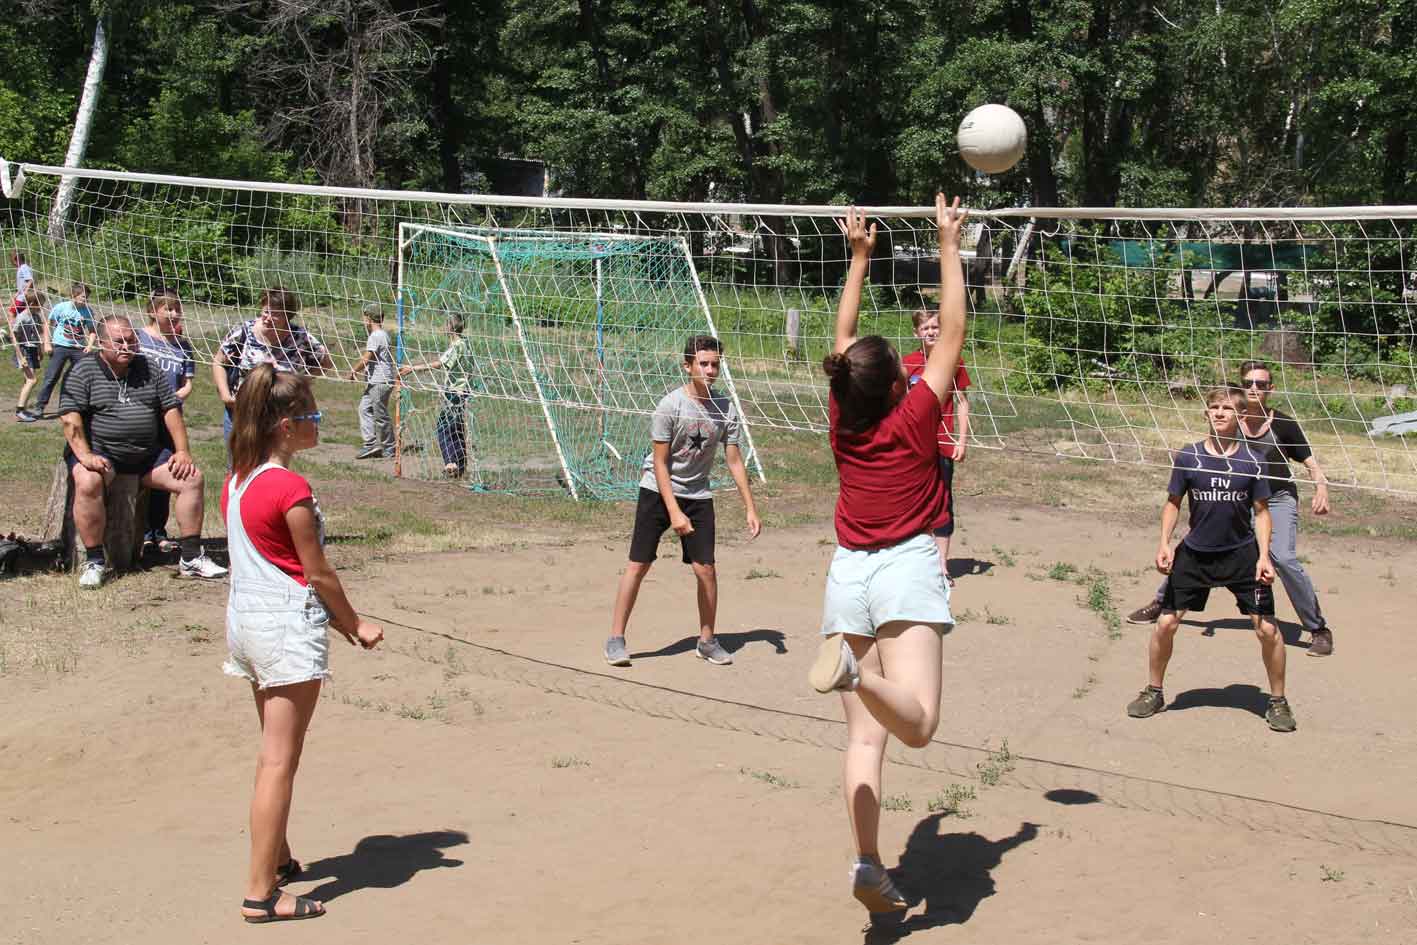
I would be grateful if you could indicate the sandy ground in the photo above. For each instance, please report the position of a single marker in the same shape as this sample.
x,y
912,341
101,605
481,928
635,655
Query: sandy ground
x,y
486,778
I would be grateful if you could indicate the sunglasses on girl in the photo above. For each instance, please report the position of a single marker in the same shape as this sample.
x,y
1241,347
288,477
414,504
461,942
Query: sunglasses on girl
x,y
312,417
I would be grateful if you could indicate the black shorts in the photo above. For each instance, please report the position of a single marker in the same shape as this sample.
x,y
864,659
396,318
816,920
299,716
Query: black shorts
x,y
28,354
139,467
652,518
1194,574
947,473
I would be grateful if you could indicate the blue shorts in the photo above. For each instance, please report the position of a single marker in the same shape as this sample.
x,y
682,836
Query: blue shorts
x,y
867,589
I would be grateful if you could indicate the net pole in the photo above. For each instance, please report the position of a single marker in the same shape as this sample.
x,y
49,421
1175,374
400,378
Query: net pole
x,y
531,367
727,374
399,357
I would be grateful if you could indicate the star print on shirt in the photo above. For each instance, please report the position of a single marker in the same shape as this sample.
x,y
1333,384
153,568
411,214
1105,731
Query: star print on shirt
x,y
697,439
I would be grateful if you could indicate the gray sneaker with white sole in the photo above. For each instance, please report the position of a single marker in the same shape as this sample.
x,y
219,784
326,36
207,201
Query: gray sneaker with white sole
x,y
713,651
615,652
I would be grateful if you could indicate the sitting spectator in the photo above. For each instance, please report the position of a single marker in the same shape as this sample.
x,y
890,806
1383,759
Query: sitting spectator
x,y
26,316
271,337
376,365
168,350
114,406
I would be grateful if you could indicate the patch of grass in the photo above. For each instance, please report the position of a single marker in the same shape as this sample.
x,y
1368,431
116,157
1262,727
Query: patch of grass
x,y
966,616
767,777
1328,874
1100,602
950,802
998,764
415,713
755,574
1086,687
1062,571
996,620
1006,558
896,802
569,761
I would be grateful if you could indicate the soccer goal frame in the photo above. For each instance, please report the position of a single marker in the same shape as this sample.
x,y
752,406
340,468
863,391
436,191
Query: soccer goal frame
x,y
490,238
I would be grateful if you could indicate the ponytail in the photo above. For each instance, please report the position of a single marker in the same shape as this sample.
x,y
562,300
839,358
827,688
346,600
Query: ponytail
x,y
863,380
265,398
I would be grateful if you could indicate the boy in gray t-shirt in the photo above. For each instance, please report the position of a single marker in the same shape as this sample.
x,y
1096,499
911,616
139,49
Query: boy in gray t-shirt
x,y
377,366
686,430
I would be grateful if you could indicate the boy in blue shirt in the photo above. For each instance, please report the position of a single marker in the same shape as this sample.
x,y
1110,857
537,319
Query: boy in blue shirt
x,y
73,334
1225,548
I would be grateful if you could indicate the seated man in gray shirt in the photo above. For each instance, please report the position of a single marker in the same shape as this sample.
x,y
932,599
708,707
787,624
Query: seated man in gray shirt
x,y
114,407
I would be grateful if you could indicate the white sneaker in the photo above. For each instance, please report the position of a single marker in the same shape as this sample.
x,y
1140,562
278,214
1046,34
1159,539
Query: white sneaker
x,y
835,666
872,887
201,567
92,576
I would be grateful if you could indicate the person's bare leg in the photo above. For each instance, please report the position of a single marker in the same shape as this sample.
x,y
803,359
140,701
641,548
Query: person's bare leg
x,y
942,542
1163,640
90,516
626,594
865,753
1272,650
904,695
706,576
187,502
285,854
26,387
285,718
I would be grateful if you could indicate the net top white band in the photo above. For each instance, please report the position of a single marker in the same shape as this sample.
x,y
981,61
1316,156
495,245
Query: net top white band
x,y
13,184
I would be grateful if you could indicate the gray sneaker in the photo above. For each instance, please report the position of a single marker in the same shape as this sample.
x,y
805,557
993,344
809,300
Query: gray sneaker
x,y
92,576
615,652
1147,703
872,887
712,651
1279,716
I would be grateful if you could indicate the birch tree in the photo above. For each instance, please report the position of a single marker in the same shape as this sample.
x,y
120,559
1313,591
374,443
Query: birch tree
x,y
83,124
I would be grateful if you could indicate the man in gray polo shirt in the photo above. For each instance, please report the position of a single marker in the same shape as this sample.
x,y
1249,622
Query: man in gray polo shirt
x,y
114,406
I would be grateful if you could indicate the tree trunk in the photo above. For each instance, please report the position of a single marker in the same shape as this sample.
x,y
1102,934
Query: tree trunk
x,y
83,122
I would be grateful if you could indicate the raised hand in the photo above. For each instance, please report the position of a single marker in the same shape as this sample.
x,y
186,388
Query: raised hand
x,y
949,218
854,228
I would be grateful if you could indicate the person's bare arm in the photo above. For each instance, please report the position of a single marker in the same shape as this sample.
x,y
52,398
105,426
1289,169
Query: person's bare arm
x,y
677,519
1320,504
219,365
185,390
79,443
1170,515
943,363
961,435
304,532
733,456
181,464
848,309
1264,529
360,365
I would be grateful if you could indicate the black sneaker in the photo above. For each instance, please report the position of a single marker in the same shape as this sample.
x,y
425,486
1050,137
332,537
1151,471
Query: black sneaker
x,y
1147,703
1279,716
369,452
1147,614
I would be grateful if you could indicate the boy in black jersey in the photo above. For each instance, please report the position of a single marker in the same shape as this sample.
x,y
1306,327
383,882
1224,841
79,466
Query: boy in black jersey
x,y
1224,481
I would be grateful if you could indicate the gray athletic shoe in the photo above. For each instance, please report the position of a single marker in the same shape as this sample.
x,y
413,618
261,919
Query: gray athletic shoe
x,y
1147,703
1279,716
615,652
872,887
713,651
92,576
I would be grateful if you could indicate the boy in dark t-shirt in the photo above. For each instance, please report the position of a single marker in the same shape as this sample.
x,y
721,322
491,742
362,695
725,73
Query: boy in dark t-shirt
x,y
1223,481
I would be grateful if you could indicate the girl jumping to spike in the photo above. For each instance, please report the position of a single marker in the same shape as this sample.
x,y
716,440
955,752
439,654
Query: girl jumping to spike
x,y
887,603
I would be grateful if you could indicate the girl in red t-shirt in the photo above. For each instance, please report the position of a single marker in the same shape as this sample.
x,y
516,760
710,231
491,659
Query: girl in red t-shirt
x,y
284,596
887,604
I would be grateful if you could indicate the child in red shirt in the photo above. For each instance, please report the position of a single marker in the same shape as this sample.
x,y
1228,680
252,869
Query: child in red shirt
x,y
887,603
953,442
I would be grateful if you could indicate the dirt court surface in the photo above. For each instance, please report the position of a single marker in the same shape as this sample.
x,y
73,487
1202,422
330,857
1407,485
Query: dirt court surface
x,y
485,777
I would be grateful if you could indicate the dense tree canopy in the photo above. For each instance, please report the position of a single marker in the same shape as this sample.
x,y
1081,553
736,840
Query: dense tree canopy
x,y
1128,102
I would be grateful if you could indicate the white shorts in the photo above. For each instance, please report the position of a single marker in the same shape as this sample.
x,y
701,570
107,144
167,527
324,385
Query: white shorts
x,y
277,636
866,589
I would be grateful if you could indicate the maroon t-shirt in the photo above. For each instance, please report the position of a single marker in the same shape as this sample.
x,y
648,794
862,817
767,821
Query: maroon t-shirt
x,y
914,364
890,477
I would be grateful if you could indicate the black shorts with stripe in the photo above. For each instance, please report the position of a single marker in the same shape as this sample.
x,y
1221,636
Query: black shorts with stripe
x,y
1194,574
652,519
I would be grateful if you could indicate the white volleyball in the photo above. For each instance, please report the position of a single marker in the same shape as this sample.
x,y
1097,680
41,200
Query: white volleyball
x,y
992,138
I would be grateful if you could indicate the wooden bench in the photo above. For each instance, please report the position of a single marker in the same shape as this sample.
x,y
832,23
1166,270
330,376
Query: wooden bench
x,y
126,503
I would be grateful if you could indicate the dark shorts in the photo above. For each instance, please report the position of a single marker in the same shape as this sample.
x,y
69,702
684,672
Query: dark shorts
x,y
133,468
1194,574
947,473
652,518
29,354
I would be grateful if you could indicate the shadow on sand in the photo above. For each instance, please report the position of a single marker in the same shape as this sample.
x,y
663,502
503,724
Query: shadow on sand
x,y
382,861
948,873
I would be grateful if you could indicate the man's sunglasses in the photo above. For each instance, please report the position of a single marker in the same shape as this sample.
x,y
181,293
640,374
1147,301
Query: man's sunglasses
x,y
1258,384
